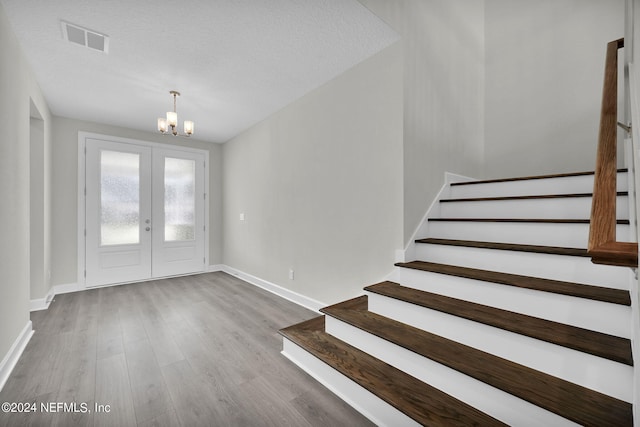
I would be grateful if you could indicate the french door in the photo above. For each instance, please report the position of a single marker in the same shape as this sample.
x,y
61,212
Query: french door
x,y
144,212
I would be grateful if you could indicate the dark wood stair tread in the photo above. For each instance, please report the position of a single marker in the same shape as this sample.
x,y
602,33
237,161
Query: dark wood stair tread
x,y
553,250
521,220
596,343
531,197
597,293
419,401
574,402
528,178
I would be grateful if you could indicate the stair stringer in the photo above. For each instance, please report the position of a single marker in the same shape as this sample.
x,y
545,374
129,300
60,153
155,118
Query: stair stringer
x,y
408,252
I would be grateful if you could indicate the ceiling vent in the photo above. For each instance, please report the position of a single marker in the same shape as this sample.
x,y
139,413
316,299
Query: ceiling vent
x,y
85,37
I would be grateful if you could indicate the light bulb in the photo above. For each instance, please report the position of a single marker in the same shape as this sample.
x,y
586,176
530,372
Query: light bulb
x,y
188,127
162,125
172,118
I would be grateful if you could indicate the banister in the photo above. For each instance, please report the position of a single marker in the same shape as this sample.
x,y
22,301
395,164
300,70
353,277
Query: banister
x,y
603,245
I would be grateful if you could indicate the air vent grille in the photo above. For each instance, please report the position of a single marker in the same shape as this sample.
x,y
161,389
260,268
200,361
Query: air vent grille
x,y
85,37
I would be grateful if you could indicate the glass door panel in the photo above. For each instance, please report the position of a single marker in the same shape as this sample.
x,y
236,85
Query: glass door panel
x,y
179,199
120,198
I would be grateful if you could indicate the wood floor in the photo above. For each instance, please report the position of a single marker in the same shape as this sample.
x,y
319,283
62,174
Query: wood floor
x,y
192,351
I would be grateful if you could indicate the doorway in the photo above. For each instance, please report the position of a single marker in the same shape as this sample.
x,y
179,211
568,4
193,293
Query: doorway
x,y
39,207
144,211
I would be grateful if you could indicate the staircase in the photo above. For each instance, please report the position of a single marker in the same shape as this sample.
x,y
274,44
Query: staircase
x,y
500,319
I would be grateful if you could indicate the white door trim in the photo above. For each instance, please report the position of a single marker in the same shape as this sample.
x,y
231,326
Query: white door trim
x,y
82,137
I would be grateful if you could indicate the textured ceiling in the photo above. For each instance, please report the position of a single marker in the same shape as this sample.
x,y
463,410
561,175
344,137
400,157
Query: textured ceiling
x,y
235,61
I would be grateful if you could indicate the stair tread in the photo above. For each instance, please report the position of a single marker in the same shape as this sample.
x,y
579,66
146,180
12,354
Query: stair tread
x,y
530,197
597,293
527,178
574,402
519,220
421,402
596,343
553,250
356,303
430,406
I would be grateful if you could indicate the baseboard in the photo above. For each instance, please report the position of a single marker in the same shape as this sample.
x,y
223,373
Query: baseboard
x,y
292,296
66,288
11,359
43,303
215,267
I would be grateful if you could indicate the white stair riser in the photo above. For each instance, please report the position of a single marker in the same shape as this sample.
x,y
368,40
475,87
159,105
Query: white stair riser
x,y
555,267
606,376
612,319
492,401
564,185
556,208
365,402
566,235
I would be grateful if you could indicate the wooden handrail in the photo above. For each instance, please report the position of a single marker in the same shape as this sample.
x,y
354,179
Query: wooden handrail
x,y
603,246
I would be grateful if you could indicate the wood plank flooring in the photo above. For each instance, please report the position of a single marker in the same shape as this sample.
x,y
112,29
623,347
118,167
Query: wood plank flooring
x,y
191,351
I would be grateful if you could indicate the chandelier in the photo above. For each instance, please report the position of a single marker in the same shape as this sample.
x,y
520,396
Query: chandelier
x,y
172,120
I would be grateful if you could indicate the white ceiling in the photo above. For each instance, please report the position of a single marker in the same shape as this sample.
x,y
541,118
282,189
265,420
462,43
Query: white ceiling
x,y
235,61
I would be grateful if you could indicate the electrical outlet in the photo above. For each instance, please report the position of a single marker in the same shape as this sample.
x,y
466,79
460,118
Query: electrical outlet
x,y
291,274
242,216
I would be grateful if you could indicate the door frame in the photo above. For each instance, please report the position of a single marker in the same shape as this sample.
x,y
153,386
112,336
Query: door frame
x,y
82,137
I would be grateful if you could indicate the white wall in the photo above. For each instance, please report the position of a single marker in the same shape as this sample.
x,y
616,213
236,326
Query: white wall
x,y
544,71
443,59
40,205
18,87
635,7
320,184
65,194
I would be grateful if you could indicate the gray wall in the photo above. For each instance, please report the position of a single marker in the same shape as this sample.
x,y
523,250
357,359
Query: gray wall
x,y
544,70
65,193
320,184
18,88
443,61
